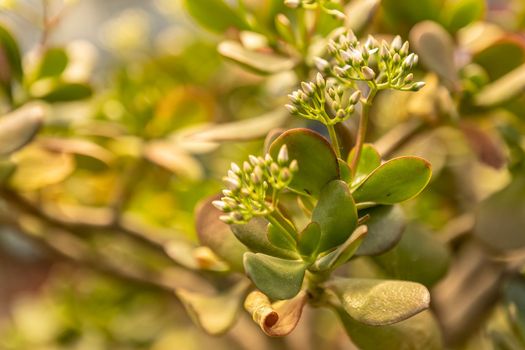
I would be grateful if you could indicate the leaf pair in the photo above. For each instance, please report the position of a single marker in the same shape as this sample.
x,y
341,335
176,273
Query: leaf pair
x,y
392,182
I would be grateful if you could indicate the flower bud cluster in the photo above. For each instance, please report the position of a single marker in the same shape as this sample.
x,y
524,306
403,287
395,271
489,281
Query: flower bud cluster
x,y
314,4
253,189
327,102
385,65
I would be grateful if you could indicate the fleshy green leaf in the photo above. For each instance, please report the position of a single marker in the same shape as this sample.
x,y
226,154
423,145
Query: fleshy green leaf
x,y
418,257
280,238
216,313
416,333
380,302
19,127
435,47
500,219
336,213
369,160
259,62
217,235
459,13
395,181
502,90
309,239
10,49
277,278
343,253
66,92
254,236
53,64
215,15
316,158
385,227
346,172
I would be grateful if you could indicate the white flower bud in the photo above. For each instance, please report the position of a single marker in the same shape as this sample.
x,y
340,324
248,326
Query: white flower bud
x,y
291,109
253,159
307,88
285,175
404,49
294,166
368,73
220,205
417,86
235,168
339,71
409,78
282,157
227,219
321,64
371,43
354,98
232,184
246,167
396,43
320,80
340,114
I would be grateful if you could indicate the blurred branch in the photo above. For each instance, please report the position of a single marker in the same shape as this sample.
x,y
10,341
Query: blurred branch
x,y
66,244
122,225
398,136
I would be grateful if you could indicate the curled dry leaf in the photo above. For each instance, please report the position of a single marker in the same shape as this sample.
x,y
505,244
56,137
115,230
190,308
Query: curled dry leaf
x,y
277,319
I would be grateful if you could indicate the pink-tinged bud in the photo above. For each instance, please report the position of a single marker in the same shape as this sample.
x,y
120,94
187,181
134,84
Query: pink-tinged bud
x,y
368,73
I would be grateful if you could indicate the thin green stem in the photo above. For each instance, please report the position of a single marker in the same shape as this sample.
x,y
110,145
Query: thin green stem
x,y
333,138
361,132
277,219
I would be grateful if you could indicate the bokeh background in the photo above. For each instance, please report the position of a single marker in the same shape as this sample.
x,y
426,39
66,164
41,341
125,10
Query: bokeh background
x,y
137,116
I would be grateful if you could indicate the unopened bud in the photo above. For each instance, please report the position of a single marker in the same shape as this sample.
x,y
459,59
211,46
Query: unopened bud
x,y
339,71
396,58
246,167
291,108
285,175
294,166
282,157
227,219
340,114
417,86
220,205
253,159
321,64
396,43
232,184
235,168
404,49
409,78
320,80
354,98
368,73
307,88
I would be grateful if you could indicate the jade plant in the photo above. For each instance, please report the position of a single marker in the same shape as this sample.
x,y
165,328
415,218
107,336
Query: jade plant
x,y
303,209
